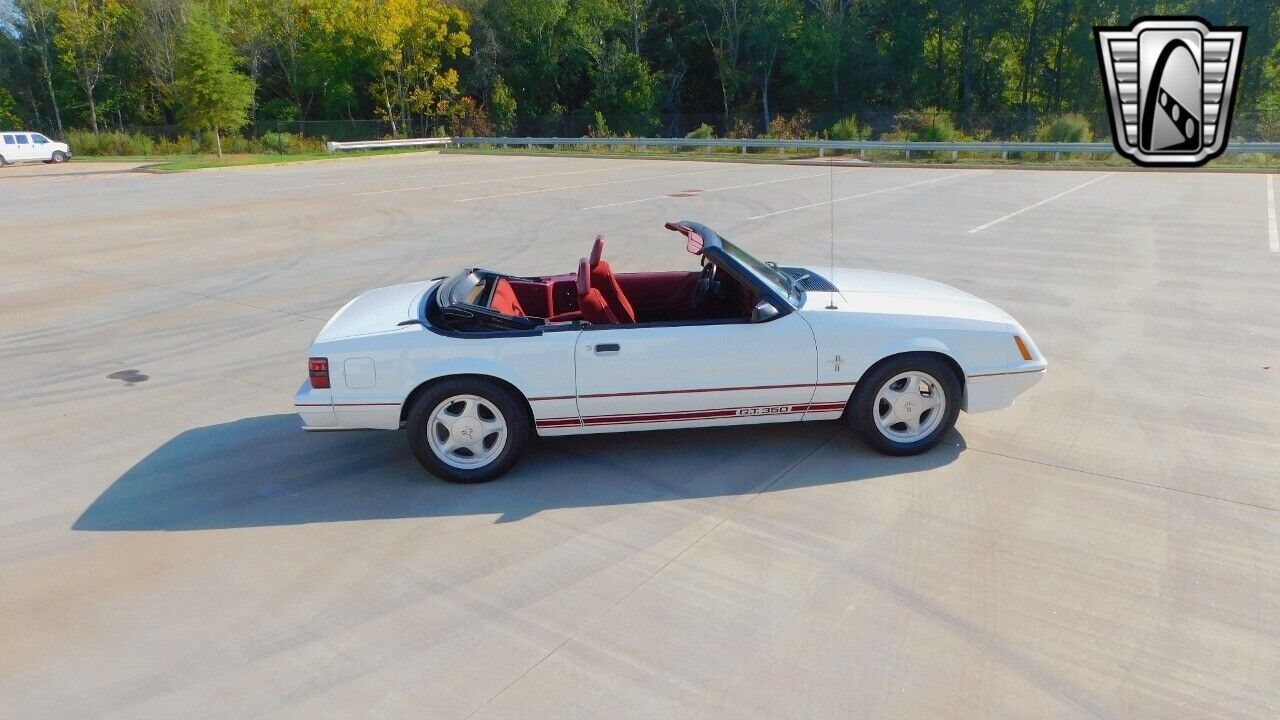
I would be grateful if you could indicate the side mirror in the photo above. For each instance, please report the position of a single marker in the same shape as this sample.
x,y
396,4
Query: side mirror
x,y
764,311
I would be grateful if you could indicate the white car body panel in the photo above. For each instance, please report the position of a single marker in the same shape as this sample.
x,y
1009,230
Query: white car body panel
x,y
692,375
802,365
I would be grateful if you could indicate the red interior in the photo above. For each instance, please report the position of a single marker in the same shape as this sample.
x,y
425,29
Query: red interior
x,y
595,309
504,299
534,297
599,295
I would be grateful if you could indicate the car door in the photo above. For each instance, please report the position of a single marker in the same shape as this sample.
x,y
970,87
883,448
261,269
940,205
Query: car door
x,y
632,377
24,150
9,149
40,147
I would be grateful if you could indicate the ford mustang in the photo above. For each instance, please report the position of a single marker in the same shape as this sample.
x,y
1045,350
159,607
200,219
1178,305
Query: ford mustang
x,y
475,364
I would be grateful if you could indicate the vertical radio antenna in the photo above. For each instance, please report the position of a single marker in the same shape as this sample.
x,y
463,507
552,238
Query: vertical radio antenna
x,y
831,206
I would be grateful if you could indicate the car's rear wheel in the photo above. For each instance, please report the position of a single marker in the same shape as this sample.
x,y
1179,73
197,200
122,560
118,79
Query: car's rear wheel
x,y
904,406
3,162
58,157
468,430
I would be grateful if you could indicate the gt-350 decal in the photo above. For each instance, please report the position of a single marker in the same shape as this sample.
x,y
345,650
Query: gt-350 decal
x,y
765,410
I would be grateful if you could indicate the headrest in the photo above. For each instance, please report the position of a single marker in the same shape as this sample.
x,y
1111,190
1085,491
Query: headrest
x,y
584,277
597,250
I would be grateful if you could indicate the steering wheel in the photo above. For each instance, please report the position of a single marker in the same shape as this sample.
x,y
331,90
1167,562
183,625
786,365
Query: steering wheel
x,y
707,285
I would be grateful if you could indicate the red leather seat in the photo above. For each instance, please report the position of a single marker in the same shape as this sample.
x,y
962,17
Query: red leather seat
x,y
505,300
602,279
594,308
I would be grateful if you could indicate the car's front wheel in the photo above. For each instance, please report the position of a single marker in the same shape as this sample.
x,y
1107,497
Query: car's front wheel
x,y
905,405
58,157
468,430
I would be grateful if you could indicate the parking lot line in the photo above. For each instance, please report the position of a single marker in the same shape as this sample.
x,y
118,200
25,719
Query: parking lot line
x,y
866,194
1272,230
704,192
501,179
574,187
1032,206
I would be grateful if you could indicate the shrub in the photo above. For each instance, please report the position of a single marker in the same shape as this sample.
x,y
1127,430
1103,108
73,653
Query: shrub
x,y
85,143
794,128
1071,128
466,118
846,129
928,125
741,128
599,128
702,132
277,142
502,108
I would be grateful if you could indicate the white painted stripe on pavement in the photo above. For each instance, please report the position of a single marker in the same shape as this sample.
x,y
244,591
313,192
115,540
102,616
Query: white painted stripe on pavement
x,y
867,194
1032,206
1271,215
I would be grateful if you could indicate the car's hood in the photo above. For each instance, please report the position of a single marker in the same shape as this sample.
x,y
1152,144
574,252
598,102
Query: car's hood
x,y
378,310
872,291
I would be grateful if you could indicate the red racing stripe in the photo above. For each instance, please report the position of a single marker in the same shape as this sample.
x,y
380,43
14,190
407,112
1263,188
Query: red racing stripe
x,y
677,415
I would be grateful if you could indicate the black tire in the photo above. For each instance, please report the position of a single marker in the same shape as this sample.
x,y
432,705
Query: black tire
x,y
862,409
3,162
515,415
58,157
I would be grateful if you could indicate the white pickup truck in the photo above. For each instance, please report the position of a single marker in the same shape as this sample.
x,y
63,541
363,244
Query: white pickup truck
x,y
22,146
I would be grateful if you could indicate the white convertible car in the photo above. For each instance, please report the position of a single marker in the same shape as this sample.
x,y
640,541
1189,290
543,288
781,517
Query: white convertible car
x,y
474,364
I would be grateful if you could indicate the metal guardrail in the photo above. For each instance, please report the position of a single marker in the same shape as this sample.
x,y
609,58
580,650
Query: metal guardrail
x,y
821,146
374,144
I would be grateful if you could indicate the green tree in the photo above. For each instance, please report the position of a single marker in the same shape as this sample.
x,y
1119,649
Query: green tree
x,y
88,31
37,18
623,86
9,111
502,107
211,93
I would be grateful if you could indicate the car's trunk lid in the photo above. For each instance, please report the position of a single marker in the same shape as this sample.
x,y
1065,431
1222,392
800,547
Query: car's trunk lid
x,y
375,311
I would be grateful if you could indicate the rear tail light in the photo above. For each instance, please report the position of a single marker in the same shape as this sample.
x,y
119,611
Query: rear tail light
x,y
1017,340
318,368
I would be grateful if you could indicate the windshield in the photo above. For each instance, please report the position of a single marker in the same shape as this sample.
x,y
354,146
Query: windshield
x,y
764,271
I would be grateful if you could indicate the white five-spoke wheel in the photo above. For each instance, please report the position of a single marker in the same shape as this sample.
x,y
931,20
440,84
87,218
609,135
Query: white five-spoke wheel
x,y
468,429
903,405
910,406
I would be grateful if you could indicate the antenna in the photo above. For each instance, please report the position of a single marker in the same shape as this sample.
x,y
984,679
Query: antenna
x,y
831,205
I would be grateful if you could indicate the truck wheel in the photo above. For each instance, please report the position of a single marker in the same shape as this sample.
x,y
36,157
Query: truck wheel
x,y
468,430
905,405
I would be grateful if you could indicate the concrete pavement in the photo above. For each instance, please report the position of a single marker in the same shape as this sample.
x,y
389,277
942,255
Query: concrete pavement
x,y
171,544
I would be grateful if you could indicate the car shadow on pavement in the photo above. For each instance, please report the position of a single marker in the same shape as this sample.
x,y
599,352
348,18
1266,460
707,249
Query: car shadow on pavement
x,y
264,471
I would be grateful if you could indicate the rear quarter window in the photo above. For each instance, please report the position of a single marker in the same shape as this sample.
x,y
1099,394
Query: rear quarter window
x,y
8,140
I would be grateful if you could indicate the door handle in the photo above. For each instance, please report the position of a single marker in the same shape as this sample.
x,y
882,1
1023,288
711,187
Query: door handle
x,y
608,349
